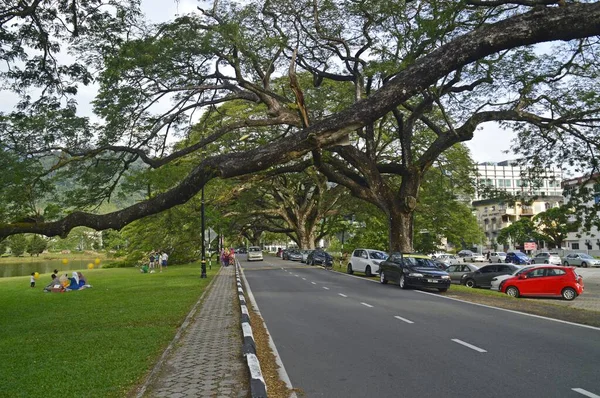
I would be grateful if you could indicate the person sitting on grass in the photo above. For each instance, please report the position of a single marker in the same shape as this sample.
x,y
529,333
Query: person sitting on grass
x,y
55,282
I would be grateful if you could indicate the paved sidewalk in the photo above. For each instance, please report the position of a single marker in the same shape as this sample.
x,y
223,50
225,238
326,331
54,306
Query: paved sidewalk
x,y
207,361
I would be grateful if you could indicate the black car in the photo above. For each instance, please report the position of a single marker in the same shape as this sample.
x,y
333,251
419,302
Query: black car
x,y
413,270
320,257
484,275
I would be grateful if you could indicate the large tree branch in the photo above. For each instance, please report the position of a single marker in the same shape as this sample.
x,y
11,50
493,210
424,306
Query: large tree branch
x,y
540,25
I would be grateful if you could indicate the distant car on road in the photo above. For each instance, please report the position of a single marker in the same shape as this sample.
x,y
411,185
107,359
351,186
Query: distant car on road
x,y
484,275
366,260
450,259
546,258
254,253
474,257
414,270
517,257
580,260
319,256
546,281
294,255
457,271
305,254
497,257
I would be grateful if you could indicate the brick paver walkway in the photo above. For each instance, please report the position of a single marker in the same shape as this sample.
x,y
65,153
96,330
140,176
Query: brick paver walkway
x,y
207,361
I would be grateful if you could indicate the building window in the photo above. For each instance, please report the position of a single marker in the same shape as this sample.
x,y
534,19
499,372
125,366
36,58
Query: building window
x,y
575,246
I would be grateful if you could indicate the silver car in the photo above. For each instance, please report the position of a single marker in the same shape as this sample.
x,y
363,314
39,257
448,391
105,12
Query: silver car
x,y
546,258
495,285
458,270
580,260
448,258
497,257
474,257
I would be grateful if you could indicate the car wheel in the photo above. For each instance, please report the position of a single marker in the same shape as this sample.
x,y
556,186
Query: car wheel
x,y
368,271
349,270
584,264
470,283
382,279
569,293
512,291
312,262
566,263
545,261
402,282
443,290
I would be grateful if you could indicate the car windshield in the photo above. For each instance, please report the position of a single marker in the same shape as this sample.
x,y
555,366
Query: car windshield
x,y
378,255
420,262
254,249
521,270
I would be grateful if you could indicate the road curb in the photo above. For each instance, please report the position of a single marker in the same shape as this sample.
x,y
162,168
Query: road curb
x,y
258,388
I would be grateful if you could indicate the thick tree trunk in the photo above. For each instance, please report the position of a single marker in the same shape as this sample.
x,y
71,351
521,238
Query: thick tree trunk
x,y
401,232
401,213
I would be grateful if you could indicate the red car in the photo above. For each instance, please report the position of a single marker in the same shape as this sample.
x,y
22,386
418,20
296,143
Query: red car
x,y
546,281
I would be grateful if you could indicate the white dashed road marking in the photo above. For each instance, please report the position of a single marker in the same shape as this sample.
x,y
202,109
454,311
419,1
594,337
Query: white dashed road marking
x,y
367,305
313,283
586,393
471,346
325,287
403,319
303,279
343,295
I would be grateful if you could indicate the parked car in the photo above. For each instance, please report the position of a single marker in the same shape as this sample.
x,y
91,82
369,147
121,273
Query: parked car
x,y
546,258
474,257
366,260
497,257
254,253
285,254
413,270
320,257
448,258
518,258
305,254
495,284
464,253
241,250
580,260
546,281
440,264
294,255
457,271
484,275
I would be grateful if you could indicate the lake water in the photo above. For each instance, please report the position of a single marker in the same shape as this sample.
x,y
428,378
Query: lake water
x,y
28,265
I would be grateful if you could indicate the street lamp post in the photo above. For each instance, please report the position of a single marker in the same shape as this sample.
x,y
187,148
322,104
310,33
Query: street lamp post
x,y
203,261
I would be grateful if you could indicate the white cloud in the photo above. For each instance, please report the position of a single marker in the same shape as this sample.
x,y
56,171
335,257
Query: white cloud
x,y
490,144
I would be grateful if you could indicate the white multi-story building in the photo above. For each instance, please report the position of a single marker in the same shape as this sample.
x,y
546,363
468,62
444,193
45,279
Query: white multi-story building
x,y
584,240
519,180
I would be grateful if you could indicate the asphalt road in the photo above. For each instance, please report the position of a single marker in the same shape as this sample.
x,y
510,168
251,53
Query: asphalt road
x,y
344,336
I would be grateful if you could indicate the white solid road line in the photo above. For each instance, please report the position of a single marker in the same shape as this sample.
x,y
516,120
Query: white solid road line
x,y
586,393
343,295
325,287
469,345
512,311
403,319
367,305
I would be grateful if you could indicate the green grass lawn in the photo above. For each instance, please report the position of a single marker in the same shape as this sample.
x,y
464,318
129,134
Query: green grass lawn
x,y
97,342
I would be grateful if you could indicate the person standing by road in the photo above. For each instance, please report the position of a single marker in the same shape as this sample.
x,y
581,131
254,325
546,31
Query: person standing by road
x,y
163,260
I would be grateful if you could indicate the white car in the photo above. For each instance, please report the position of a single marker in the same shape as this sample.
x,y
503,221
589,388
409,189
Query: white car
x,y
448,258
495,284
474,257
366,260
497,257
254,253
